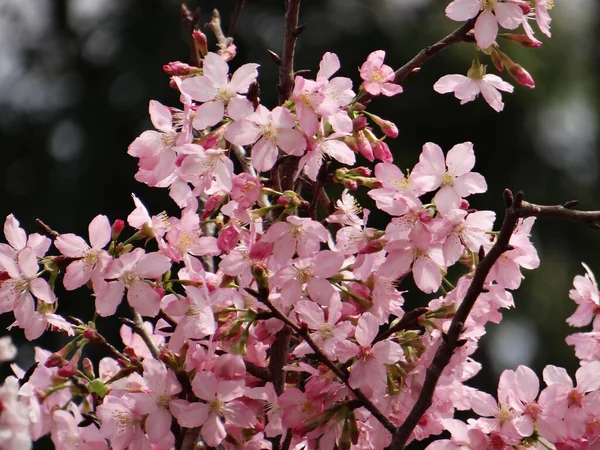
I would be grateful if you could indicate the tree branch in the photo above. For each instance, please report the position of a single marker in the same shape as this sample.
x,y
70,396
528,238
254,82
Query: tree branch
x,y
428,52
137,325
239,6
292,31
215,26
516,208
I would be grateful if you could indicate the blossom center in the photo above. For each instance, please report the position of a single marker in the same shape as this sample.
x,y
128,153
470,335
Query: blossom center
x,y
365,353
447,179
129,278
488,4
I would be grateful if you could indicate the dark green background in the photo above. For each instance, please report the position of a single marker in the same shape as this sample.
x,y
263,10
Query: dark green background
x,y
76,77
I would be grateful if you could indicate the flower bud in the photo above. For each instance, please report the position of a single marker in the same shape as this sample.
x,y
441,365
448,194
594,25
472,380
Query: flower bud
x,y
201,42
364,147
382,152
260,274
260,250
227,239
116,229
359,123
387,127
516,71
522,39
178,68
525,8
88,368
360,171
212,204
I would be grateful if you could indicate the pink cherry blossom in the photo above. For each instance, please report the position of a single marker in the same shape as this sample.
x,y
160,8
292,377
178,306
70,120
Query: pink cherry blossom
x,y
507,14
17,239
215,90
296,234
130,272
587,297
467,88
91,260
122,423
368,372
455,182
378,77
273,130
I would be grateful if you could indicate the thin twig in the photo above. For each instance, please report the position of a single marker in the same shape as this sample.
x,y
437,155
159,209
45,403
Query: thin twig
x,y
215,26
190,22
428,52
408,321
137,325
239,6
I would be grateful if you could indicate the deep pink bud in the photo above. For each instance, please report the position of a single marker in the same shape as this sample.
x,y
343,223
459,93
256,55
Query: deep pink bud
x,y
178,68
116,229
521,76
372,247
227,239
359,123
464,204
54,360
426,216
364,147
67,371
211,205
382,152
350,184
201,41
522,39
360,171
212,139
387,127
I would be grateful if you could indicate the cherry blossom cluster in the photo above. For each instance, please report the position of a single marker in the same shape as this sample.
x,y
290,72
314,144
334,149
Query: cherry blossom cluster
x,y
267,315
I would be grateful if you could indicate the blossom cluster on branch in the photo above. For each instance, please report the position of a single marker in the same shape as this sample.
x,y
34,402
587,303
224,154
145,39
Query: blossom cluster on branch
x,y
268,314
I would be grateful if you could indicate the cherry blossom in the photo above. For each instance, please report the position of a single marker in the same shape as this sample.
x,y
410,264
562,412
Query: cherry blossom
x,y
378,77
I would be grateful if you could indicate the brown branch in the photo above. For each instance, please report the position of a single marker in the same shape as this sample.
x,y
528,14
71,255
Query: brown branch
x,y
190,22
137,325
428,52
292,31
408,321
215,26
303,332
239,6
516,208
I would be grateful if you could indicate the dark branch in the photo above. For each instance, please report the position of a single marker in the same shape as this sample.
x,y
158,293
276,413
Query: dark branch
x,y
292,31
237,12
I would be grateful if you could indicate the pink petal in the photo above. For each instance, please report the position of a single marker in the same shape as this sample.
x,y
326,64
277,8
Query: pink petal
x,y
390,89
15,235
110,297
201,88
388,352
460,159
213,430
367,329
239,108
509,15
243,77
204,385
498,83
264,154
243,132
446,200
461,10
330,64
291,141
209,114
215,69
158,424
161,116
144,299
152,265
486,29
72,245
448,83
427,274
339,151
491,96
42,290
470,183
100,231
27,261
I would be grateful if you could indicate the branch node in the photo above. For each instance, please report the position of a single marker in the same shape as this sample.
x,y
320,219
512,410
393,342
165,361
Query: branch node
x,y
508,198
571,204
519,199
274,56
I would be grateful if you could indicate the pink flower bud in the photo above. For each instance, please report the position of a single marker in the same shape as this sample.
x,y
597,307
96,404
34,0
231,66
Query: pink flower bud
x,y
211,205
521,76
426,216
359,123
522,39
372,247
88,368
178,68
360,171
201,41
67,371
525,8
54,360
227,239
387,127
229,53
116,229
464,204
350,184
364,147
382,152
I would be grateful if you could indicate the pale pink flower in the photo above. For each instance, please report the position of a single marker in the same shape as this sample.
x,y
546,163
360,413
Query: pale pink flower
x,y
455,182
587,345
221,408
378,77
155,149
467,88
130,272
323,97
67,435
215,90
326,333
273,130
463,437
15,420
91,260
587,297
346,211
507,14
368,372
162,388
133,340
297,406
296,234
8,351
17,239
397,192
122,423
501,417
209,170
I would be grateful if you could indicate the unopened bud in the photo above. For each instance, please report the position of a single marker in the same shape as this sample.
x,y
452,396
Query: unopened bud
x,y
364,147
382,152
360,171
522,39
178,68
260,250
229,53
516,71
525,8
349,184
212,139
201,42
497,60
387,127
211,205
227,239
67,371
116,228
88,368
54,360
359,123
260,274
373,247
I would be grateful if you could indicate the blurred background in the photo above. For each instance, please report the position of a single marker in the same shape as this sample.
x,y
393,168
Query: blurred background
x,y
76,77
